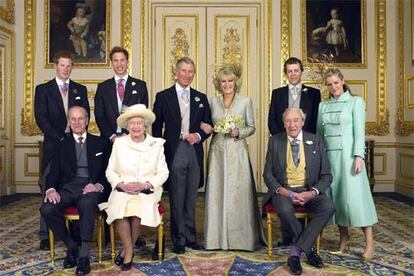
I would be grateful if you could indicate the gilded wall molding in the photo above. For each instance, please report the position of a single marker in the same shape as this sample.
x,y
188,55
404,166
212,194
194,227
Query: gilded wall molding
x,y
126,28
402,127
285,34
232,50
180,48
7,12
382,126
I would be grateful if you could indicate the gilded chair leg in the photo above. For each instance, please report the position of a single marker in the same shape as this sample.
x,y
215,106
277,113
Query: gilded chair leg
x,y
318,243
52,247
160,238
100,228
269,236
112,236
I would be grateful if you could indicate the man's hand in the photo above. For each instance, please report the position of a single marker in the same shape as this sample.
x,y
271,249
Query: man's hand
x,y
192,138
52,196
90,188
304,197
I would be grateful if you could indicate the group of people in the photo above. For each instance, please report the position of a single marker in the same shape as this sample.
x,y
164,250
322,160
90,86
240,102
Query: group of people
x,y
125,170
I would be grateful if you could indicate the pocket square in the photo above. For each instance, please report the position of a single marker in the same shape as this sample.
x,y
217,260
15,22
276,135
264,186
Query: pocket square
x,y
99,153
77,98
134,92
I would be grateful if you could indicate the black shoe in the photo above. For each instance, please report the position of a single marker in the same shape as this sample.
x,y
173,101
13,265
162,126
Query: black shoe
x,y
127,266
44,244
84,266
314,259
195,246
140,243
71,258
155,256
119,260
179,249
294,265
284,243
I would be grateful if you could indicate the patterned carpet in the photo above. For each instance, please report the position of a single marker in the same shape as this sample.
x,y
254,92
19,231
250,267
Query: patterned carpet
x,y
394,235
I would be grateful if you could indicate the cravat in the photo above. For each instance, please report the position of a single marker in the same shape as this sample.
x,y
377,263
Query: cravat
x,y
185,96
65,88
295,150
80,139
121,89
295,92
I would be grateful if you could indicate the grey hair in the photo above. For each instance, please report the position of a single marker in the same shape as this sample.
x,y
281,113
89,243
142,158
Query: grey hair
x,y
302,114
184,60
80,108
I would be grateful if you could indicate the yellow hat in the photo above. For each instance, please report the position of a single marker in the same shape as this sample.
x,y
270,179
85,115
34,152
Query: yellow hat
x,y
136,110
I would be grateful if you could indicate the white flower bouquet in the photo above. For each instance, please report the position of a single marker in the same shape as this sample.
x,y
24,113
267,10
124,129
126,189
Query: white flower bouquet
x,y
228,123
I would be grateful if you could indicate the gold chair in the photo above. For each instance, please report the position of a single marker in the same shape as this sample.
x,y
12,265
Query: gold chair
x,y
160,231
71,214
271,214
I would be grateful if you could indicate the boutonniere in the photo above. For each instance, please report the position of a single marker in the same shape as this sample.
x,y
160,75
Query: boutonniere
x,y
201,105
197,99
305,90
133,83
309,142
75,91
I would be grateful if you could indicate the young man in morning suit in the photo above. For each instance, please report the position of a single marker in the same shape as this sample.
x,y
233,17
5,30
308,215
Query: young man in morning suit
x,y
114,93
297,173
180,109
52,101
295,94
77,178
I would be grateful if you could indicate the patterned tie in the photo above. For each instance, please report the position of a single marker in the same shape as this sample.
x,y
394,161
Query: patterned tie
x,y
295,150
121,89
294,92
185,96
65,88
80,141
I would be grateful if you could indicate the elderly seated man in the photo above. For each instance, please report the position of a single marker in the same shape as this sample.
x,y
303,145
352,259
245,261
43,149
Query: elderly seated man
x,y
77,178
297,173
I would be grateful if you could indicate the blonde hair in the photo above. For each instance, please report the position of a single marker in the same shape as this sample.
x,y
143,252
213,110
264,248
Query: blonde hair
x,y
228,69
336,72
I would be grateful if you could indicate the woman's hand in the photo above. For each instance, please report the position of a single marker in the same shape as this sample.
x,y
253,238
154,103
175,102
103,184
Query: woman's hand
x,y
206,128
234,133
358,164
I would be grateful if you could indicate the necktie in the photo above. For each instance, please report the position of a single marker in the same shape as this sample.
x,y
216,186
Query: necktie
x,y
80,141
65,88
185,96
121,89
295,92
295,150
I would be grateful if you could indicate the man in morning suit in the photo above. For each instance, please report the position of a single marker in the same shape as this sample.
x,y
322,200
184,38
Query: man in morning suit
x,y
77,178
51,104
180,109
114,93
297,173
295,94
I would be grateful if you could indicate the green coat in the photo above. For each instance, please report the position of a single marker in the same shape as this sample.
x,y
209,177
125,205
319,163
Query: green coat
x,y
341,123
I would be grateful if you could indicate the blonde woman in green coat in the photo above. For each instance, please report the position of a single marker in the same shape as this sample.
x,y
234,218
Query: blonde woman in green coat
x,y
341,123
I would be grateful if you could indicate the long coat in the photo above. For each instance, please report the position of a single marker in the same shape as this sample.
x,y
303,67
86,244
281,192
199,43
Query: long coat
x,y
230,188
131,162
341,123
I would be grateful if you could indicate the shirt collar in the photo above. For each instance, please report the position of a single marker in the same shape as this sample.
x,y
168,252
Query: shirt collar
x,y
179,88
299,85
75,136
60,82
300,137
124,77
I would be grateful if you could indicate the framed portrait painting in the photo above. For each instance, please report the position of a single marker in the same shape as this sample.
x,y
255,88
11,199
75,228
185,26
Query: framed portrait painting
x,y
81,27
334,31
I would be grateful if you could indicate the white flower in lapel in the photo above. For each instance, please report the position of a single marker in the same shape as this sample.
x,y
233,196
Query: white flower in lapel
x,y
305,90
201,105
75,91
309,142
197,99
133,83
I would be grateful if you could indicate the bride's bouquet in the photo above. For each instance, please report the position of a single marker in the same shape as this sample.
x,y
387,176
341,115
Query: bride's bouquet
x,y
228,123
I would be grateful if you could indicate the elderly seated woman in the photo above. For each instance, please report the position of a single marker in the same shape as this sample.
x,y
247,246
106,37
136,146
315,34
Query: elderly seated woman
x,y
136,171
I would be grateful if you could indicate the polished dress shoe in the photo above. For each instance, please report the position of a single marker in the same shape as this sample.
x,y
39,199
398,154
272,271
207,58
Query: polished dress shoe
x,y
179,249
84,266
195,246
284,243
127,266
44,244
314,259
294,265
71,259
119,260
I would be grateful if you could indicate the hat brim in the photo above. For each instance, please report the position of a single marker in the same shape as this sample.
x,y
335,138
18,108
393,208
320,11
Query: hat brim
x,y
147,114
